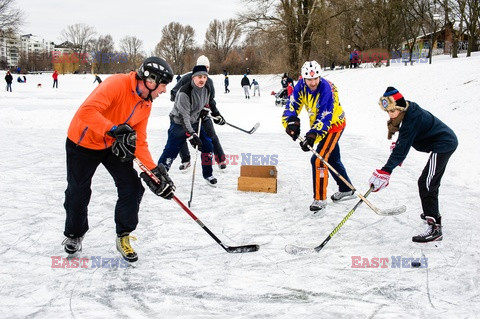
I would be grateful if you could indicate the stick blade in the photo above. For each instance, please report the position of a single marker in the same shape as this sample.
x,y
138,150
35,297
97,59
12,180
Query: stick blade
x,y
242,249
392,211
297,250
255,127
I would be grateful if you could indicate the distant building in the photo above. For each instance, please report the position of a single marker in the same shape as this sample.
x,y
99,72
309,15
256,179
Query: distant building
x,y
12,45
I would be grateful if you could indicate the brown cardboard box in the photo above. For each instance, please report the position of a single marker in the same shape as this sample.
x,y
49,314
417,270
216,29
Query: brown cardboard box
x,y
258,178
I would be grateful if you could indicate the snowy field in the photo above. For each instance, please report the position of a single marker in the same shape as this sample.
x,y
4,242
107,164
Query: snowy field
x,y
182,272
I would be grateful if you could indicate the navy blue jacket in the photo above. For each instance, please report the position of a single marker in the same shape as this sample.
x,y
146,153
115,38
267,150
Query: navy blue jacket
x,y
422,131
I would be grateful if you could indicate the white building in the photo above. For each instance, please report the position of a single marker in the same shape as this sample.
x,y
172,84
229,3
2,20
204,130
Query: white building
x,y
11,47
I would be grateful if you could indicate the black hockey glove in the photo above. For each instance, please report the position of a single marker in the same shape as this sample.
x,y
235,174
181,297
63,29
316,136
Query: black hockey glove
x,y
308,141
166,188
193,138
218,118
125,142
204,112
293,127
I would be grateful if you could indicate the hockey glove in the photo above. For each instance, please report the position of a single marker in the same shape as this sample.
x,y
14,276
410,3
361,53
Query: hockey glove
x,y
193,138
379,180
125,141
218,119
308,141
204,112
166,188
293,127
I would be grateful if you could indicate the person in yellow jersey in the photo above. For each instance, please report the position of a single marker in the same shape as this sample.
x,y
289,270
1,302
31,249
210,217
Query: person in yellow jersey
x,y
327,122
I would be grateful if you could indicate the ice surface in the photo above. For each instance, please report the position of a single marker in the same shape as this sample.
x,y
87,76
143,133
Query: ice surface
x,y
182,272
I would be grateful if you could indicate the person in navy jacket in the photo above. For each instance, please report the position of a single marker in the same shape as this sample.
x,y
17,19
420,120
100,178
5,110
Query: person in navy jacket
x,y
424,132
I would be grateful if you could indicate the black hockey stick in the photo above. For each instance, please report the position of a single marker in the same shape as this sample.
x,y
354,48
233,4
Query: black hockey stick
x,y
384,212
296,250
254,128
229,249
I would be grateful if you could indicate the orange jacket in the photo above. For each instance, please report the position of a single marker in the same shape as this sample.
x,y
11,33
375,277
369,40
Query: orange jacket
x,y
113,103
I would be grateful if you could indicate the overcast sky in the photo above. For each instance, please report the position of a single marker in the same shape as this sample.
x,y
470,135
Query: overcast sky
x,y
143,19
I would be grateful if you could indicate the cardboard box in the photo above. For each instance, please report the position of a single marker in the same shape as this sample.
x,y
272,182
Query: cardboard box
x,y
258,178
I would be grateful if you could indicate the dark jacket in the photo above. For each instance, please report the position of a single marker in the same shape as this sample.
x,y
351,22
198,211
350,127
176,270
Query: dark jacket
x,y
9,78
422,131
245,81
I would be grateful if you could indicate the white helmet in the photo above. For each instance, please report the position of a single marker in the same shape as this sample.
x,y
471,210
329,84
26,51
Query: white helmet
x,y
311,70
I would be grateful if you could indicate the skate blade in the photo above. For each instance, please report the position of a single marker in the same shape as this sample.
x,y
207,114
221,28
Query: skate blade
x,y
431,245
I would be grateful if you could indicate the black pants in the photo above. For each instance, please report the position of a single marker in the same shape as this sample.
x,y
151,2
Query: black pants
x,y
207,125
81,166
429,183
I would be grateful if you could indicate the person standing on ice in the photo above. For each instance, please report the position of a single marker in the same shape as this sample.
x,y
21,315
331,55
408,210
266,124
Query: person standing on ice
x,y
191,106
424,132
327,122
109,128
9,80
206,123
256,87
55,79
245,83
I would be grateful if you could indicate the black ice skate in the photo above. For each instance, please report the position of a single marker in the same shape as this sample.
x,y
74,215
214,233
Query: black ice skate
x,y
433,231
72,245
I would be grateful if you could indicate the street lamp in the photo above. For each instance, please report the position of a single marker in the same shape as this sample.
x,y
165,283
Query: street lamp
x,y
435,17
324,56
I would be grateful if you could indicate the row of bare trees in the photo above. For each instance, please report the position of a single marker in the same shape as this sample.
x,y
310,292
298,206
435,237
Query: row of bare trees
x,y
279,35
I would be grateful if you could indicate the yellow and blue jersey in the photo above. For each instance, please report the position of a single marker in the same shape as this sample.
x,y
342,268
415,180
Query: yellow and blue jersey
x,y
323,107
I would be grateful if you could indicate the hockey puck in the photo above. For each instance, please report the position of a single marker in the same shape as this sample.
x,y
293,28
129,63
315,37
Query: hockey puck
x,y
416,264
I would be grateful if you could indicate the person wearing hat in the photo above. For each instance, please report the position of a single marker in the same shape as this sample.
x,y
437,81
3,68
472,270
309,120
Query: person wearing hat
x,y
97,79
191,105
327,122
206,123
110,128
424,132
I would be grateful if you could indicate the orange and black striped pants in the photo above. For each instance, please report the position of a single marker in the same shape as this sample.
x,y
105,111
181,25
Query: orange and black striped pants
x,y
329,149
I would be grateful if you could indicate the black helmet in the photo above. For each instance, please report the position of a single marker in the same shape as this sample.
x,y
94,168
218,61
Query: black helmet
x,y
156,69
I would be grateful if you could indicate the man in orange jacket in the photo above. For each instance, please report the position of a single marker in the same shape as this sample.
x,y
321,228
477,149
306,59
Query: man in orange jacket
x,y
109,128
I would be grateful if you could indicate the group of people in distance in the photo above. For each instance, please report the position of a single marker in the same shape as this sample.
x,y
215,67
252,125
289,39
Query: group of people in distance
x,y
110,128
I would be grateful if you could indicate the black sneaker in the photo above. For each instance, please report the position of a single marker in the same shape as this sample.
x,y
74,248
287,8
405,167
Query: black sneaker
x,y
72,245
222,165
433,231
212,181
124,247
342,196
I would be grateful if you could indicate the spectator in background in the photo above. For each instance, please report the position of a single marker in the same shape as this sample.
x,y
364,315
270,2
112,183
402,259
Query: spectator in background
x,y
227,83
246,86
55,79
256,87
178,78
97,79
9,80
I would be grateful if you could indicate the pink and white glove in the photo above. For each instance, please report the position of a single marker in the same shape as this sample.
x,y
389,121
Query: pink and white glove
x,y
379,180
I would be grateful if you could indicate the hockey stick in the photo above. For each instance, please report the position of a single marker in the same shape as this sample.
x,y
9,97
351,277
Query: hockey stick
x,y
254,128
296,250
384,212
195,164
229,249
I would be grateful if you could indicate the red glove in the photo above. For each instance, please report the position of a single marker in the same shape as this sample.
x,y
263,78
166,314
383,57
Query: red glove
x,y
379,180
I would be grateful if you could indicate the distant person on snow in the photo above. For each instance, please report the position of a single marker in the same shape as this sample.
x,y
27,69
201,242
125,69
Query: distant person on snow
x,y
97,79
245,83
55,79
206,123
227,83
109,128
327,122
9,80
424,132
256,87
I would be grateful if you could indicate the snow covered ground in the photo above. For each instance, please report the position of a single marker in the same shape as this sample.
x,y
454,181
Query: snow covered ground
x,y
182,272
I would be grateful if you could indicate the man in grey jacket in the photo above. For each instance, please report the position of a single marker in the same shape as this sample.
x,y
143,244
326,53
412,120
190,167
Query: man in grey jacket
x,y
191,104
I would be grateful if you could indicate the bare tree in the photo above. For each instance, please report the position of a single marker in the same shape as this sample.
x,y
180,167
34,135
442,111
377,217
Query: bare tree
x,y
176,42
132,46
11,18
80,35
103,56
220,38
